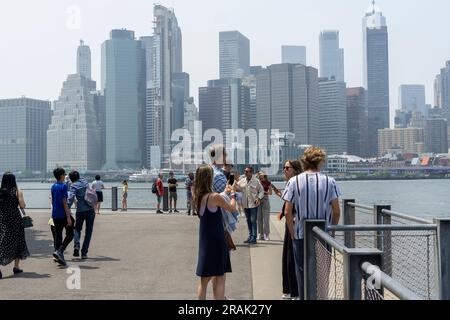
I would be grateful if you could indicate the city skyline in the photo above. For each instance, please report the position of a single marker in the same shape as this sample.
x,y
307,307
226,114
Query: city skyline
x,y
202,65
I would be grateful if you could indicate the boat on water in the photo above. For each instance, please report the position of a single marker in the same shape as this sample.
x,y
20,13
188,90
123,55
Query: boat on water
x,y
150,175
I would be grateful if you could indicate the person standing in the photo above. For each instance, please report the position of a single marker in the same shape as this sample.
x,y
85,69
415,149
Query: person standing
x,y
84,213
189,185
61,216
252,194
13,246
98,186
218,155
159,192
124,195
173,196
291,169
315,196
213,257
264,208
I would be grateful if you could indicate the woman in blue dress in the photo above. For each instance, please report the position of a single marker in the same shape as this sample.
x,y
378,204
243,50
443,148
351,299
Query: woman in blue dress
x,y
213,257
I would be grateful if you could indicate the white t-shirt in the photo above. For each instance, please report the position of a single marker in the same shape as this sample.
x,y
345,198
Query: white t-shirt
x,y
98,185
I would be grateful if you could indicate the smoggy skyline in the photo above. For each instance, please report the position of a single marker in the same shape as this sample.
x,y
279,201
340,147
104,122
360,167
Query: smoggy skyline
x,y
40,38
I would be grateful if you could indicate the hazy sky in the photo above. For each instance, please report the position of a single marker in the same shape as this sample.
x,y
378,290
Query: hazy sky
x,y
39,38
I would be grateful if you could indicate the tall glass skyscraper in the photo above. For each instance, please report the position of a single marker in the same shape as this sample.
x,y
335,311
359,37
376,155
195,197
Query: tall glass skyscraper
x,y
331,56
293,54
411,97
123,82
234,55
84,60
376,73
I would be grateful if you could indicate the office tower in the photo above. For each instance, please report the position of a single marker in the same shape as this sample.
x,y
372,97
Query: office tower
x,y
437,91
167,61
84,60
331,56
418,120
221,104
23,134
293,54
234,55
402,118
333,134
357,121
405,140
123,83
180,93
436,135
190,116
287,100
412,98
442,90
376,73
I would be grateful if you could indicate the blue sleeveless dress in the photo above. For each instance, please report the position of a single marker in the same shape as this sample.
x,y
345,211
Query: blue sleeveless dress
x,y
213,255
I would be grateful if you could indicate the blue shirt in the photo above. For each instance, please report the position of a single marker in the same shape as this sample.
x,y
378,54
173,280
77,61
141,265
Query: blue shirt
x,y
59,195
220,181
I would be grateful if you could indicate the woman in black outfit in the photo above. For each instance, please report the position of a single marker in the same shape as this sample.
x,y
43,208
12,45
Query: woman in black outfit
x,y
13,247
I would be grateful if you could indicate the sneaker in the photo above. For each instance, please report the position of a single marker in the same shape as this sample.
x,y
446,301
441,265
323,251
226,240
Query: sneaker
x,y
286,296
60,257
176,211
247,241
266,238
159,212
253,241
84,257
295,298
170,211
17,271
76,253
261,237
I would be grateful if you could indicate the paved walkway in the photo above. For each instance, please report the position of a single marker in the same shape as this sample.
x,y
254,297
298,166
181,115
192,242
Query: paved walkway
x,y
140,255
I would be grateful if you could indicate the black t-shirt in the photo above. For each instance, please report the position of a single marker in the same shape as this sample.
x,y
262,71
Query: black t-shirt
x,y
172,181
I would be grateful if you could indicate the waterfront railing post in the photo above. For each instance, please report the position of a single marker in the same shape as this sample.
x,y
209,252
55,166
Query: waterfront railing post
x,y
114,199
387,246
443,251
166,199
349,219
378,220
353,273
310,261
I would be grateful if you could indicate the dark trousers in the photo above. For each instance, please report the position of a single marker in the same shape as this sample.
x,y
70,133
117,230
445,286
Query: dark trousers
x,y
89,217
60,225
299,257
252,215
290,285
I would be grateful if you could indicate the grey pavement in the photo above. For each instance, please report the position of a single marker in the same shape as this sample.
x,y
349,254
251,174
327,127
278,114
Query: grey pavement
x,y
140,255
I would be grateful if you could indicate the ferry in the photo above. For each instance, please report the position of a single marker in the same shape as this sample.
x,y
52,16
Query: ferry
x,y
150,175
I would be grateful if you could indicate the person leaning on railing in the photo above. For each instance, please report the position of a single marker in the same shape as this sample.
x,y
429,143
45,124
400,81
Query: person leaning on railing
x,y
315,196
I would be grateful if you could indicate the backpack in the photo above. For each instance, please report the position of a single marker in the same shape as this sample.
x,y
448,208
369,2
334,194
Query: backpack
x,y
154,188
91,197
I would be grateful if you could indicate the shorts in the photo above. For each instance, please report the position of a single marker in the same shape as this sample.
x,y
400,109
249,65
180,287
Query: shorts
x,y
125,195
159,199
99,196
173,196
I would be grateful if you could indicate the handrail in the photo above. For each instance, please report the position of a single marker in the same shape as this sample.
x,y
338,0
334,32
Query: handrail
x,y
387,227
329,239
405,216
360,206
390,284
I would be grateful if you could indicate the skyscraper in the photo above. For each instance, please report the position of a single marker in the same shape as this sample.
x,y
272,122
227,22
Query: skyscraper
x,y
167,61
331,56
333,116
436,135
412,98
84,60
442,90
293,54
234,55
23,134
357,121
180,93
75,133
376,73
123,82
287,100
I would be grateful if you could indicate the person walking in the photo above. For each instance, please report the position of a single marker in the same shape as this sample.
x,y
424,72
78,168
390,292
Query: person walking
x,y
98,186
84,213
213,257
159,192
189,183
61,216
252,194
291,169
173,195
315,196
264,208
13,246
124,195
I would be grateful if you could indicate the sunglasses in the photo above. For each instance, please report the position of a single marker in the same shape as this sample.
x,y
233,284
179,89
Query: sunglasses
x,y
287,168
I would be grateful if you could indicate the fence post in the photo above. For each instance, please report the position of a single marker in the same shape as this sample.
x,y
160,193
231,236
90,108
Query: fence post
x,y
353,273
310,261
114,199
387,246
378,220
443,252
166,199
349,219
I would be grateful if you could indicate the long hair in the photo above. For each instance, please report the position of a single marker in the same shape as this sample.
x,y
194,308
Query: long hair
x,y
297,166
9,182
202,185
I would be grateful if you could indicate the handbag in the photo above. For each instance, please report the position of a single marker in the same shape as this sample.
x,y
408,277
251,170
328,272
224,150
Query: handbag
x,y
27,221
230,244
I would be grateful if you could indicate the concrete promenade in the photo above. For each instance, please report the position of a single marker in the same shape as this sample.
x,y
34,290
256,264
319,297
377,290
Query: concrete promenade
x,y
141,255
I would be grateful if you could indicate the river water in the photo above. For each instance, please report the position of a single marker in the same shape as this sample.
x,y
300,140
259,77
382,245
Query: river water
x,y
424,198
